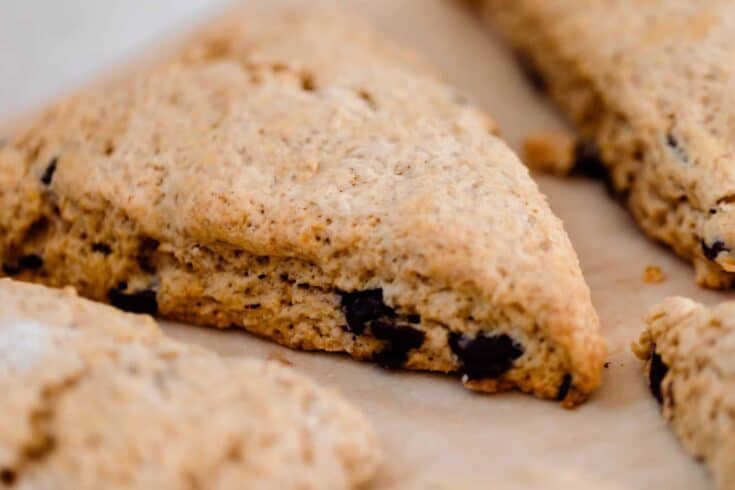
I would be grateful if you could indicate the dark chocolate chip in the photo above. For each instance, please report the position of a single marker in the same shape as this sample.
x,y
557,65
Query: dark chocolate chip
x,y
606,365
26,262
566,383
361,307
712,251
400,340
485,356
531,72
48,174
712,210
587,161
414,318
656,375
137,302
147,248
677,148
30,262
7,476
102,248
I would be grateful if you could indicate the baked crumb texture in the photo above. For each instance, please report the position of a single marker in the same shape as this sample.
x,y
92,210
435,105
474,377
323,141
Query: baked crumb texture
x,y
649,87
292,173
689,351
97,398
653,274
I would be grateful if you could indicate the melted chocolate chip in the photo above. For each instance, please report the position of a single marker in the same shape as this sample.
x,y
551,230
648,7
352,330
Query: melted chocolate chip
x,y
102,248
656,375
485,356
566,383
361,307
587,161
48,174
137,302
677,148
531,72
712,251
27,262
400,338
7,476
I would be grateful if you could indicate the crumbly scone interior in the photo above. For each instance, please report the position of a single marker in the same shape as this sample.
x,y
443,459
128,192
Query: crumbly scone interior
x,y
364,251
688,351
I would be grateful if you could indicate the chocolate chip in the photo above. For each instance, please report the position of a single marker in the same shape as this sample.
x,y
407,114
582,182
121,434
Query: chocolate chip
x,y
656,374
566,383
485,356
361,307
531,72
7,476
137,302
26,262
414,318
48,174
400,340
712,251
102,248
606,365
676,147
587,161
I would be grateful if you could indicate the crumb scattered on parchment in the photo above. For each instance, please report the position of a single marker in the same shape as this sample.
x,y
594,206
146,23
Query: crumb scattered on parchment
x,y
653,274
279,359
552,152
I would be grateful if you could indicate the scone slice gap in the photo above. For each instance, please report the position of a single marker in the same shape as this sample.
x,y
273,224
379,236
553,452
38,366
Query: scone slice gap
x,y
94,397
293,173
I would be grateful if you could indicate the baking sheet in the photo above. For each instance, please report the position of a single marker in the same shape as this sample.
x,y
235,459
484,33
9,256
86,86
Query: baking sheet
x,y
436,433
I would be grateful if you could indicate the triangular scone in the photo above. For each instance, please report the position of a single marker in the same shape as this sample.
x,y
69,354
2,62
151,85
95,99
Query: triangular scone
x,y
689,351
96,398
651,85
292,173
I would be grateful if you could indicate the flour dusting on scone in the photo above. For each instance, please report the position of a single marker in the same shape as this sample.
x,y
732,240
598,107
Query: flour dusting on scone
x,y
292,173
96,398
689,351
650,84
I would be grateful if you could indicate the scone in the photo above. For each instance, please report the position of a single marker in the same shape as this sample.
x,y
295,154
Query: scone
x,y
689,351
292,173
95,398
650,85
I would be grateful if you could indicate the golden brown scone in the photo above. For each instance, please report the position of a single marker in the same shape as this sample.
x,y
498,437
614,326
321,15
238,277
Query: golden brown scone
x,y
689,351
650,84
292,173
96,398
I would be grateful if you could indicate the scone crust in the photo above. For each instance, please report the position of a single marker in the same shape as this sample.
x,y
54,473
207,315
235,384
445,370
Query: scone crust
x,y
651,84
689,351
282,160
94,398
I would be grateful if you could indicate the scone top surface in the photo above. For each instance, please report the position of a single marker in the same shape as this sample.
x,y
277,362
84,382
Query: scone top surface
x,y
95,398
303,135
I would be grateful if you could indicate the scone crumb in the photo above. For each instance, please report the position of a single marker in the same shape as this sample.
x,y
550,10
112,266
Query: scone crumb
x,y
552,152
653,274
